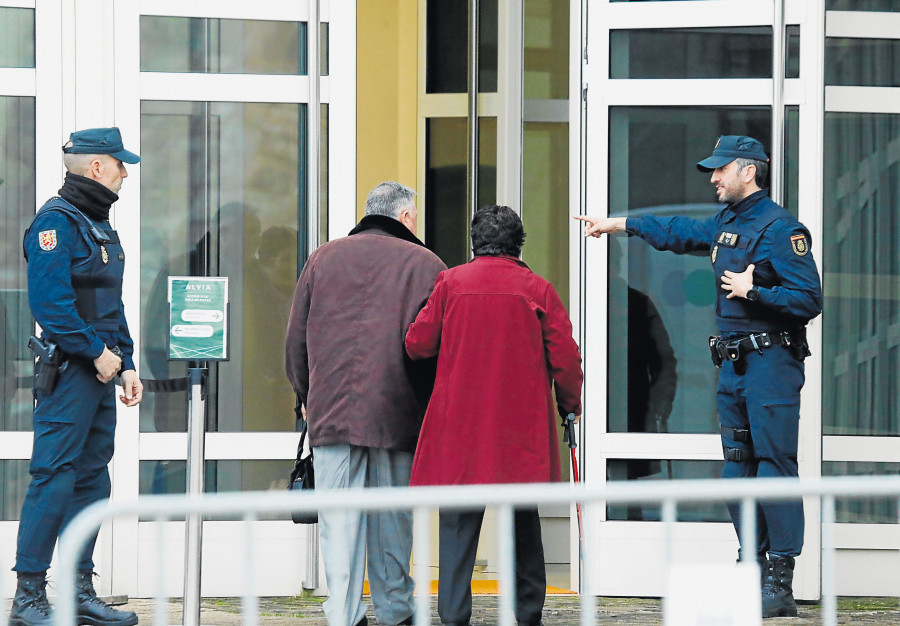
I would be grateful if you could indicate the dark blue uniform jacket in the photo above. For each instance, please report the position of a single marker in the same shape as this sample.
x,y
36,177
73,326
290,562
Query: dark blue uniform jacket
x,y
75,269
755,230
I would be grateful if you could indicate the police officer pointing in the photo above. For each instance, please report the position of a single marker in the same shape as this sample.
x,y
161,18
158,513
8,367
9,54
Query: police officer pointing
x,y
75,266
768,289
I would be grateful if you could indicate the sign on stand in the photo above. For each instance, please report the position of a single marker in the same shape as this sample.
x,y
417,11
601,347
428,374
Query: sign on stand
x,y
198,332
198,318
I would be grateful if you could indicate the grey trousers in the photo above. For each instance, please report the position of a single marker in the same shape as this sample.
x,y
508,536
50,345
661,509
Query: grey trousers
x,y
347,537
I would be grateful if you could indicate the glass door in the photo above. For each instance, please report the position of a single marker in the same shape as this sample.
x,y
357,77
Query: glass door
x,y
221,104
662,83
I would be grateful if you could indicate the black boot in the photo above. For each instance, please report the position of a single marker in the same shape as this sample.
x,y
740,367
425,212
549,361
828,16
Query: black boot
x,y
94,611
30,606
778,592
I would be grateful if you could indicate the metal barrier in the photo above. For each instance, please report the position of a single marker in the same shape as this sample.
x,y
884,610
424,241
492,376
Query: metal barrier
x,y
423,500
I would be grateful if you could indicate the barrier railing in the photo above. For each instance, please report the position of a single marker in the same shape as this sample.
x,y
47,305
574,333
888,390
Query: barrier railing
x,y
505,498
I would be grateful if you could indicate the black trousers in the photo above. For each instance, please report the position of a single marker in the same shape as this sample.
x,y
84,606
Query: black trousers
x,y
459,531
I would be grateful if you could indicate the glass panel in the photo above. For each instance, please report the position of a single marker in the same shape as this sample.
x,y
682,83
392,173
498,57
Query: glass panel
x,y
447,26
168,477
641,469
661,304
17,44
17,200
324,48
220,190
863,510
546,49
737,52
447,221
14,481
221,46
792,52
545,202
863,5
861,332
791,157
862,62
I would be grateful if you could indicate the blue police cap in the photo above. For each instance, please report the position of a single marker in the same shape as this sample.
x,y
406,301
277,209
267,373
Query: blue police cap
x,y
100,141
731,147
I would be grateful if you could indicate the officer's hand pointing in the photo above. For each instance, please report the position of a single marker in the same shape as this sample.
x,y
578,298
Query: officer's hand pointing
x,y
738,283
132,388
108,365
596,226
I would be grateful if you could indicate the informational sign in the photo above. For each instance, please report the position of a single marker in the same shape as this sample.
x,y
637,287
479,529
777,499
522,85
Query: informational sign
x,y
198,318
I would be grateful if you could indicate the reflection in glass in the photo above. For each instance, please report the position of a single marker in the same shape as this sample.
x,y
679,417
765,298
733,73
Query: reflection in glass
x,y
17,194
17,42
546,33
222,46
651,171
170,477
792,52
14,481
545,202
862,62
446,55
863,5
863,510
628,469
861,275
447,221
736,52
220,184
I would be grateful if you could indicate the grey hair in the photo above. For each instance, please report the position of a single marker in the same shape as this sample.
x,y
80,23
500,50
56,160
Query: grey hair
x,y
762,170
78,163
389,199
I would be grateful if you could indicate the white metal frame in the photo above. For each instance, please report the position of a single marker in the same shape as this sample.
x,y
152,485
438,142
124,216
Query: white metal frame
x,y
88,74
623,539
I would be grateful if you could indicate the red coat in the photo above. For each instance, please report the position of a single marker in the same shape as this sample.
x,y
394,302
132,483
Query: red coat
x,y
502,335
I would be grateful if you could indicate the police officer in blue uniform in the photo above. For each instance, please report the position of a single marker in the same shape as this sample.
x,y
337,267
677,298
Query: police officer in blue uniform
x,y
768,289
75,266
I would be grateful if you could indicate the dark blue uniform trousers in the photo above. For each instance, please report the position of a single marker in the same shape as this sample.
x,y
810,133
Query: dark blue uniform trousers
x,y
761,392
74,428
459,531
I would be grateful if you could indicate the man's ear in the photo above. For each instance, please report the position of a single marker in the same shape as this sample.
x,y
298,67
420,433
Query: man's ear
x,y
748,175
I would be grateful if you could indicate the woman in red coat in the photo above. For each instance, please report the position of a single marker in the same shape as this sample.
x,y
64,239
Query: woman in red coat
x,y
503,337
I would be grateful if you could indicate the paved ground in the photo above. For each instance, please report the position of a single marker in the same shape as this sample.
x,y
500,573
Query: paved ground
x,y
558,610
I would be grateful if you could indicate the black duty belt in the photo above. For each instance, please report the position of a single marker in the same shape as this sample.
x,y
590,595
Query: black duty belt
x,y
733,348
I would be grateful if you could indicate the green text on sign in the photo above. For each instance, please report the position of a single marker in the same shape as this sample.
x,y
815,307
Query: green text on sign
x,y
198,318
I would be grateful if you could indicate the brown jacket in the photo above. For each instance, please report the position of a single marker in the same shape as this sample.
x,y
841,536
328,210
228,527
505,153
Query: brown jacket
x,y
344,353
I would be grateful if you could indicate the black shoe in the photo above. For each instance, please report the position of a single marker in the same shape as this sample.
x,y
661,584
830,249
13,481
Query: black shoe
x,y
363,622
408,621
777,593
30,606
94,611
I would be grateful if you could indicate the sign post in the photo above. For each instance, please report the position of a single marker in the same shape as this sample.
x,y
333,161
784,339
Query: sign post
x,y
198,332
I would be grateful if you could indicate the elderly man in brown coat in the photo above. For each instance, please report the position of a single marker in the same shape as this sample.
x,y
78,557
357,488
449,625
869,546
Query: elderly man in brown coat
x,y
364,398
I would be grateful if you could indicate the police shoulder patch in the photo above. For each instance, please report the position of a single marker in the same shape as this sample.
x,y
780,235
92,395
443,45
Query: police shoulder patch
x,y
47,239
799,244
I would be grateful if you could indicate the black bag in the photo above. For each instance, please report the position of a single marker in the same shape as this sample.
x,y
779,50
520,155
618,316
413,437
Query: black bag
x,y
303,476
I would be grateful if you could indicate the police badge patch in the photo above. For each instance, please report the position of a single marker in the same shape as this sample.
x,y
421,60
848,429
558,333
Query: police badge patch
x,y
47,239
798,243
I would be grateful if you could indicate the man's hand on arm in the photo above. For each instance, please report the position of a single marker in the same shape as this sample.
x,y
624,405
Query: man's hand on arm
x,y
596,226
108,365
738,283
132,388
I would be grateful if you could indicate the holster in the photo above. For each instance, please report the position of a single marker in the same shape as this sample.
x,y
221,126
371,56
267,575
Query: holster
x,y
714,351
50,362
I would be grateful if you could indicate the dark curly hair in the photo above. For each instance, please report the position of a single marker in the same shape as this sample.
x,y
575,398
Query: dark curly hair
x,y
497,230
